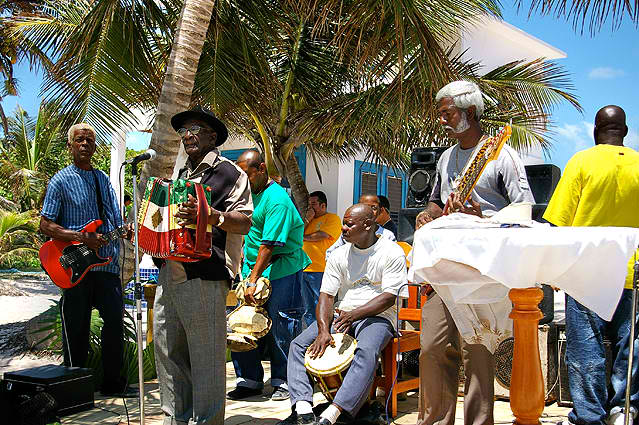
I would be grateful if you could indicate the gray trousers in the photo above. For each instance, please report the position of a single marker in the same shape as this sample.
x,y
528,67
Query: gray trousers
x,y
442,349
189,333
372,335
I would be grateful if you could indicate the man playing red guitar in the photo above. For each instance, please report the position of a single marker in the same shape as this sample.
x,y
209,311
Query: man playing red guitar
x,y
76,196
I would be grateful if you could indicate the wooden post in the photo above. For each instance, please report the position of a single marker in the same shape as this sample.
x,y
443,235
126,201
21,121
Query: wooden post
x,y
149,296
527,382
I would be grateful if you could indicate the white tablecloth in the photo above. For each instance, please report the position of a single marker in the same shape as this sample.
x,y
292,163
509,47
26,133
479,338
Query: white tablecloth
x,y
472,267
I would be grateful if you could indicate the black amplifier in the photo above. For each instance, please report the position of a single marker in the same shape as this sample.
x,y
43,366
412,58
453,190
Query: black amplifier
x,y
72,388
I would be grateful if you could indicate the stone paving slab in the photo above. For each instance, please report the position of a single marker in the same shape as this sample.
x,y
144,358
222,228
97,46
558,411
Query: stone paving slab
x,y
260,410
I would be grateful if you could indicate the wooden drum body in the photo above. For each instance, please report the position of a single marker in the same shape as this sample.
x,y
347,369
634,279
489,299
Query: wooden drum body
x,y
329,370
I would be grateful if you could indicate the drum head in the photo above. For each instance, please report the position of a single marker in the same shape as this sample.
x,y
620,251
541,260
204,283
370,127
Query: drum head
x,y
335,359
241,342
262,291
249,320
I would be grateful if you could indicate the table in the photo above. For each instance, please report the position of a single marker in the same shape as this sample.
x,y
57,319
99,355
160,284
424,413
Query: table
x,y
483,264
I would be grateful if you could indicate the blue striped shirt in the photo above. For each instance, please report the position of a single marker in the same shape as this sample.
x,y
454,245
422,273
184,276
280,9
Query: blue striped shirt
x,y
71,202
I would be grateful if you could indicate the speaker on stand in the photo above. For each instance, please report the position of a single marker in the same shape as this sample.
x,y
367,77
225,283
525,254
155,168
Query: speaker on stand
x,y
421,178
543,179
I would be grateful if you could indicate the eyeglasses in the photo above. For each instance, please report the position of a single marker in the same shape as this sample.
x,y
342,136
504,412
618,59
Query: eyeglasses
x,y
193,130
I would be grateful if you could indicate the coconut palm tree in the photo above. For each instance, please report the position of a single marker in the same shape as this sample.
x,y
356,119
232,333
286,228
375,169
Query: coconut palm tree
x,y
17,233
26,160
587,14
340,77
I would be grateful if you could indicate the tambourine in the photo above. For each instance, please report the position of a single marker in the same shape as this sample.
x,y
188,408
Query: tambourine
x,y
247,324
262,291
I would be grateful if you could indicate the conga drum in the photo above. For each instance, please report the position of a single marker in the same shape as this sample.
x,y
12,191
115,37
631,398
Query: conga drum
x,y
329,370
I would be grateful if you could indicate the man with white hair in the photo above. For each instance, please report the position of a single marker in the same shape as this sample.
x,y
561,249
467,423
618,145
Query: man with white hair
x,y
76,196
460,105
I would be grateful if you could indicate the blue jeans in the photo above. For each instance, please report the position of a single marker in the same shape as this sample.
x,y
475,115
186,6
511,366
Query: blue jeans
x,y
284,309
310,294
586,360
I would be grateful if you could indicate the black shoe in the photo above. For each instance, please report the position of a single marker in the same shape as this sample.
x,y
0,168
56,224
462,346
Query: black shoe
x,y
295,419
323,421
240,393
128,392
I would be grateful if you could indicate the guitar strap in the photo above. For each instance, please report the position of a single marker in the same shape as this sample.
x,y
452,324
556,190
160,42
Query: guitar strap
x,y
98,195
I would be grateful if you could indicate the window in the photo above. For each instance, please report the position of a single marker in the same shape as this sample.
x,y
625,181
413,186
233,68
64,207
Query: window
x,y
381,180
395,196
369,184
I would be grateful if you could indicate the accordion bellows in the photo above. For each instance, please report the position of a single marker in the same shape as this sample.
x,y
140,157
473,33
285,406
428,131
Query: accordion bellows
x,y
159,234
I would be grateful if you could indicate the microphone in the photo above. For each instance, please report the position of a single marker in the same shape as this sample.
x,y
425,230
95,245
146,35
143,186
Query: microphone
x,y
149,154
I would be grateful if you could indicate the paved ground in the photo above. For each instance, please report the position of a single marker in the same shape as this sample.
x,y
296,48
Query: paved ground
x,y
260,410
24,298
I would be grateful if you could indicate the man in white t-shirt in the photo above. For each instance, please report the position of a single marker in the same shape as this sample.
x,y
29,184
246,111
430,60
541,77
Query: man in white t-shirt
x,y
366,274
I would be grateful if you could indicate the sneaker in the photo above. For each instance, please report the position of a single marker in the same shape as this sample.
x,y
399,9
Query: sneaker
x,y
128,392
280,394
295,419
323,421
617,416
240,393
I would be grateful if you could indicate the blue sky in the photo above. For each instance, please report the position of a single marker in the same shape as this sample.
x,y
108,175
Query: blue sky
x,y
603,68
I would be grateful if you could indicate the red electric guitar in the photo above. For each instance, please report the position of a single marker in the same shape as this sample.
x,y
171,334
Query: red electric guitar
x,y
67,263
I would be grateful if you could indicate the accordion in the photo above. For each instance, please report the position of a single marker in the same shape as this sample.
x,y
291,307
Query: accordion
x,y
159,234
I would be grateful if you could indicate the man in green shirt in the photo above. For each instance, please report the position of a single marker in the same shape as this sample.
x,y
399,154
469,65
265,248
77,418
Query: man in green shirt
x,y
273,249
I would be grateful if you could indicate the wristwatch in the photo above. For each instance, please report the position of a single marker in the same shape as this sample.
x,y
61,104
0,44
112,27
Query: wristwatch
x,y
220,220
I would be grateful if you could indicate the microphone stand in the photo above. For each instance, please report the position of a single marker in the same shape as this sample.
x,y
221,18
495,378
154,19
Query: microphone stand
x,y
635,286
138,292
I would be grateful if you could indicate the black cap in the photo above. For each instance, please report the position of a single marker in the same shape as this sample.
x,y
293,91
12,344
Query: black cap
x,y
205,115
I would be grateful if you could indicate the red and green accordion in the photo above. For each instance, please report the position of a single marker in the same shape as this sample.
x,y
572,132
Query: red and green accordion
x,y
159,234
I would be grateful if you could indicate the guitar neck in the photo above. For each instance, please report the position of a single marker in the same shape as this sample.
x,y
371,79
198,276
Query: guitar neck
x,y
114,234
488,152
473,172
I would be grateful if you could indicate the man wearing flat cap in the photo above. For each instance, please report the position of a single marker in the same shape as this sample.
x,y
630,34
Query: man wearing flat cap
x,y
189,323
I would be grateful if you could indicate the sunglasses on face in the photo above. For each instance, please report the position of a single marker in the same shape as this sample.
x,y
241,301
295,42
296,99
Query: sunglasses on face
x,y
193,130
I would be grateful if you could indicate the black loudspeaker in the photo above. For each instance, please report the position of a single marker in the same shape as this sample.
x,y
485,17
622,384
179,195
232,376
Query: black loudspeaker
x,y
543,179
406,225
70,389
547,305
421,176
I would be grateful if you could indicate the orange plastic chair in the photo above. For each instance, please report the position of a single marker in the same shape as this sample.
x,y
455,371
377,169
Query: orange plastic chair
x,y
407,341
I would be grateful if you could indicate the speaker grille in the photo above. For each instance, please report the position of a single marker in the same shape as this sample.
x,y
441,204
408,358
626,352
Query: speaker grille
x,y
419,181
422,175
504,361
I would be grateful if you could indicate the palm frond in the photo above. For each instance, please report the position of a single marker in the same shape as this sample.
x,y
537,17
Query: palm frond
x,y
587,14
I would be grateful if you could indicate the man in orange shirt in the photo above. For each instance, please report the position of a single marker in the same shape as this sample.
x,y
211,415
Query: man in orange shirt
x,y
321,229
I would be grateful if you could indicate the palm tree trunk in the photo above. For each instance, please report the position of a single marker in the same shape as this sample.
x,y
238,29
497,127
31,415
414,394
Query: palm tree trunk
x,y
175,96
5,124
298,185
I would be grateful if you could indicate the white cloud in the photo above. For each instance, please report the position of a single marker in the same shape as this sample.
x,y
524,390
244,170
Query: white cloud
x,y
632,140
605,73
579,134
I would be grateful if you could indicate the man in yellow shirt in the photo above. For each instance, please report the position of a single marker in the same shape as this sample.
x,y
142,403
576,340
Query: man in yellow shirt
x,y
600,187
321,229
